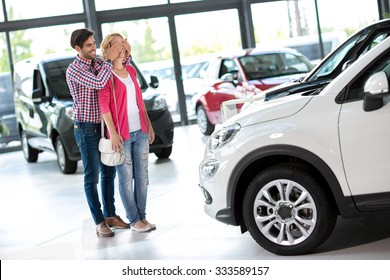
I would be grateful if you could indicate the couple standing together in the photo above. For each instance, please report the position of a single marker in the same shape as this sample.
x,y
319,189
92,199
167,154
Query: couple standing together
x,y
92,81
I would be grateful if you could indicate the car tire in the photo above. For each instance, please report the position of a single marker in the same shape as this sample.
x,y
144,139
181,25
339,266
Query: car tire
x,y
287,211
66,165
164,153
30,154
203,122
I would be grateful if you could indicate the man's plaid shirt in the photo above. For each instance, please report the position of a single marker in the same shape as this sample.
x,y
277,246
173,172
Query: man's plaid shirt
x,y
85,79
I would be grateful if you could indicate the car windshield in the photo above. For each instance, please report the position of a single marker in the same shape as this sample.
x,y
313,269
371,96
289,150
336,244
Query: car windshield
x,y
327,68
332,66
267,65
194,70
56,78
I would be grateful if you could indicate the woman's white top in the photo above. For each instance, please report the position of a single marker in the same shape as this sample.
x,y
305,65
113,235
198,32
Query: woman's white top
x,y
132,107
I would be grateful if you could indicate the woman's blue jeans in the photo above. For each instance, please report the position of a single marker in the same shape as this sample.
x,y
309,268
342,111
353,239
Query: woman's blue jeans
x,y
133,176
87,137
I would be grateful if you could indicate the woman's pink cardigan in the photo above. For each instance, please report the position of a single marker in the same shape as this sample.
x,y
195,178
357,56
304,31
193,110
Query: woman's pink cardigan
x,y
106,103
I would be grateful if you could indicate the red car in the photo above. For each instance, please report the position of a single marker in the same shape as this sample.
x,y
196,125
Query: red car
x,y
236,75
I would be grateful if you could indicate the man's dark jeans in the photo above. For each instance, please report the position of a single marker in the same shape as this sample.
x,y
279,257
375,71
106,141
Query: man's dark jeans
x,y
87,137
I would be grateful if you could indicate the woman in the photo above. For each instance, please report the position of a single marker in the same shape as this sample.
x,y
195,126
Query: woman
x,y
130,129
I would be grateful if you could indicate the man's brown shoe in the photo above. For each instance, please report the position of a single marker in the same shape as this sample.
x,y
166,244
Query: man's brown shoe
x,y
103,230
116,222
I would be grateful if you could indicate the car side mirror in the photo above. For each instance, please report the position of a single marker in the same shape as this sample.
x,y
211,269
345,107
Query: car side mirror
x,y
228,77
375,88
154,83
37,96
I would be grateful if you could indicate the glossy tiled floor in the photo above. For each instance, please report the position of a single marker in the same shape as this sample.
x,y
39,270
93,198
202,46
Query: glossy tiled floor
x,y
44,216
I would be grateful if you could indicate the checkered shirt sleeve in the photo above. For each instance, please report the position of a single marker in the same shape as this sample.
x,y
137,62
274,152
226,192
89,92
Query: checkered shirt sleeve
x,y
85,79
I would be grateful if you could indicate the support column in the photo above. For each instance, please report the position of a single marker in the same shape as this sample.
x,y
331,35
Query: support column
x,y
246,25
178,72
92,23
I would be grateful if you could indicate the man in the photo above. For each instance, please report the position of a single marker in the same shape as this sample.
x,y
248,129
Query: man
x,y
85,76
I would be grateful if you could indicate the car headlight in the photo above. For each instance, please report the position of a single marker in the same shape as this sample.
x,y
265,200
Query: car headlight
x,y
159,103
222,136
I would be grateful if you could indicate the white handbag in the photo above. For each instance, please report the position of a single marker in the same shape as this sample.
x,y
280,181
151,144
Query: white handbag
x,y
107,155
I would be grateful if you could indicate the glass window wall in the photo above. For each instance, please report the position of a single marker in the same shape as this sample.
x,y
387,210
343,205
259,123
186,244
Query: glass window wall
x,y
103,5
39,41
1,13
4,61
213,32
350,16
295,24
22,9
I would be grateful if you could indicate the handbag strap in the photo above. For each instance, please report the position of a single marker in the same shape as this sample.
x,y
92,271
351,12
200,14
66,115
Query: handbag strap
x,y
116,109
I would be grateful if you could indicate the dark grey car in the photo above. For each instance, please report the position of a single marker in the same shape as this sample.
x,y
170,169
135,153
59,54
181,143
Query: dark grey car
x,y
43,107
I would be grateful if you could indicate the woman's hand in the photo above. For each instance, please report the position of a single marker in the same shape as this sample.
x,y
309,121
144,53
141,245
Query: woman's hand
x,y
116,141
151,134
113,51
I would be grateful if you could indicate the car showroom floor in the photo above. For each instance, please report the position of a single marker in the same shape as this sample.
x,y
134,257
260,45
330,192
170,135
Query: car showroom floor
x,y
44,216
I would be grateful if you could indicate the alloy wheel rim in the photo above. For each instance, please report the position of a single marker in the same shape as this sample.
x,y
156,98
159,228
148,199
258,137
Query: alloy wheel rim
x,y
61,155
285,212
25,145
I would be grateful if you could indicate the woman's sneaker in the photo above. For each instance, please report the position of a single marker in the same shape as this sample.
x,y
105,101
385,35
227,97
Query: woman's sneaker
x,y
150,225
139,226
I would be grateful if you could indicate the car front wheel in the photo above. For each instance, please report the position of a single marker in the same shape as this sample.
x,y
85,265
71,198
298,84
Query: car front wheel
x,y
66,165
205,126
30,154
164,153
287,212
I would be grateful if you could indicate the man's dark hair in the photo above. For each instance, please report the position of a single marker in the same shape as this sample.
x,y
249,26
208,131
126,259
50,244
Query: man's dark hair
x,y
79,36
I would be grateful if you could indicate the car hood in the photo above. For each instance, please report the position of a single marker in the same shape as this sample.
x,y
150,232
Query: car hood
x,y
259,112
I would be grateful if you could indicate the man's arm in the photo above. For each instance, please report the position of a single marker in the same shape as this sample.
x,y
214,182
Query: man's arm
x,y
79,75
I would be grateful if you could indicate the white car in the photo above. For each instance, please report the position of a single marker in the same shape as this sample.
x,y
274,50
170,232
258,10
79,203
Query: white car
x,y
284,170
